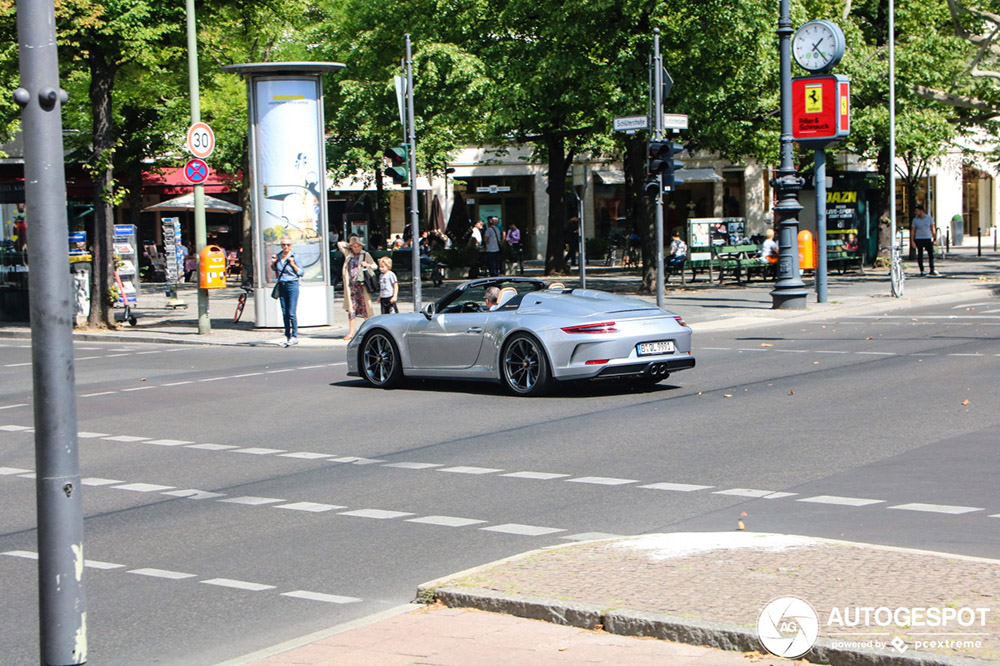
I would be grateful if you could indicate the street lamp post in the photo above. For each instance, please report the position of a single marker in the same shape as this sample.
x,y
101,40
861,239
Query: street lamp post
x,y
789,291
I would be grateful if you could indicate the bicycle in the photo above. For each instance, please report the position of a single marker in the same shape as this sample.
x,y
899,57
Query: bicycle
x,y
247,287
897,278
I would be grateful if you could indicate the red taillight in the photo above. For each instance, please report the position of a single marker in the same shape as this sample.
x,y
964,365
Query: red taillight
x,y
603,327
680,320
597,361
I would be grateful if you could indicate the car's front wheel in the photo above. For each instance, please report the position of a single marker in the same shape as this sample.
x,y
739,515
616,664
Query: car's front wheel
x,y
380,362
524,368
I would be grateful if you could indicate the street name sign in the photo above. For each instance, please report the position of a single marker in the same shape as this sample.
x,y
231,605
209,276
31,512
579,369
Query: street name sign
x,y
631,123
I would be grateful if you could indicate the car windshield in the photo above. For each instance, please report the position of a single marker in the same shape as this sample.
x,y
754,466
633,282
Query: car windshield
x,y
473,297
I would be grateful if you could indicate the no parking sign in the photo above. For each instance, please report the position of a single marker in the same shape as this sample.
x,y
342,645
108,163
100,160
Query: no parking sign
x,y
196,171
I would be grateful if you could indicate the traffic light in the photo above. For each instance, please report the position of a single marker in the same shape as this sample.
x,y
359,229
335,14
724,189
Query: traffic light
x,y
670,180
652,186
398,169
657,153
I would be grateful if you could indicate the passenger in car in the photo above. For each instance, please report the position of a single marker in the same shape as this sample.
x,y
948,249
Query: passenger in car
x,y
492,295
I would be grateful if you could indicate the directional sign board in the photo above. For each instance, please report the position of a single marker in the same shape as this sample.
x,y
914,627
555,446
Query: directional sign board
x,y
631,123
675,121
200,140
196,171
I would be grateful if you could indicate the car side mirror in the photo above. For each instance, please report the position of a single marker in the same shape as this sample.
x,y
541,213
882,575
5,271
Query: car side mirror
x,y
428,310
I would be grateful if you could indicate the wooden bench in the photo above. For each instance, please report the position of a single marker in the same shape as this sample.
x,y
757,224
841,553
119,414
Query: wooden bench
x,y
735,259
840,259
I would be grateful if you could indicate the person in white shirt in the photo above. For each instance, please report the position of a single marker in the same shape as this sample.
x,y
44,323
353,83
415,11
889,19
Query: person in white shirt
x,y
769,250
922,236
678,252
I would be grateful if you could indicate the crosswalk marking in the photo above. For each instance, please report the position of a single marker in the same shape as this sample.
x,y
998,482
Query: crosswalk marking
x,y
524,530
601,480
162,573
678,487
317,596
937,508
191,493
844,501
446,521
470,470
237,584
378,514
143,487
540,476
312,507
251,500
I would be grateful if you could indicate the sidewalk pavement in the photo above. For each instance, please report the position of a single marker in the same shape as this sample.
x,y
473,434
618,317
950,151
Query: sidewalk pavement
x,y
700,594
706,305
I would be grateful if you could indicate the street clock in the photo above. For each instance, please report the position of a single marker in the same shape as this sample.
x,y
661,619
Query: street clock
x,y
818,46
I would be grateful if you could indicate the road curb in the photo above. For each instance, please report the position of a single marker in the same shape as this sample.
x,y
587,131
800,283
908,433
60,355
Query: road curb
x,y
670,628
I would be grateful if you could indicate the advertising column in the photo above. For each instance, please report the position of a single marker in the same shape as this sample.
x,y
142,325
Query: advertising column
x,y
288,169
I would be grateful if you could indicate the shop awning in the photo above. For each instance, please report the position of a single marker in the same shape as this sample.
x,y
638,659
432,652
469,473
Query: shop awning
x,y
617,176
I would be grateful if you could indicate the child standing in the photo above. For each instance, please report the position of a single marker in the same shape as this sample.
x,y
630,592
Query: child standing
x,y
388,286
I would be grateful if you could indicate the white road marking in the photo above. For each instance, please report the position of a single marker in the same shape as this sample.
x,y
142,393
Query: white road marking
x,y
168,442
378,514
17,365
94,395
237,584
211,447
591,536
971,305
248,374
305,455
843,501
143,487
470,470
524,530
876,353
542,476
754,349
177,383
965,354
14,428
744,492
602,480
28,555
354,460
317,596
312,507
20,404
98,481
97,564
138,388
258,451
412,465
832,352
29,475
191,493
793,351
161,573
715,348
446,521
4,471
125,438
91,435
937,508
252,501
274,372
212,379
778,496
310,367
679,487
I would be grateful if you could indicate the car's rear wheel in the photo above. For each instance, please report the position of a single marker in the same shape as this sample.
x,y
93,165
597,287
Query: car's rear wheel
x,y
380,362
524,368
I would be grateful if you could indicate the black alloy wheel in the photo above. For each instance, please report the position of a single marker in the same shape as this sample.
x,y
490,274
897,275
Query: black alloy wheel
x,y
380,362
524,368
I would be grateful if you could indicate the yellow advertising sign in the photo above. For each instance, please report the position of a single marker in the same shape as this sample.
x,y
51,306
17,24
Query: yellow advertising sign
x,y
814,98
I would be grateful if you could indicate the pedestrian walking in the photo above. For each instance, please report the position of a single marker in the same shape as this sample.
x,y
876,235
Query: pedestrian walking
x,y
357,299
491,240
388,286
923,236
288,270
513,238
572,240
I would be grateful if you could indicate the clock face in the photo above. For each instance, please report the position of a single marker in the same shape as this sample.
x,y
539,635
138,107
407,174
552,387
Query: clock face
x,y
818,46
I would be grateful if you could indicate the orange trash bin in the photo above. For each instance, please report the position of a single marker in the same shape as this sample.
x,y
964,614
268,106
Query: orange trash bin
x,y
212,267
807,251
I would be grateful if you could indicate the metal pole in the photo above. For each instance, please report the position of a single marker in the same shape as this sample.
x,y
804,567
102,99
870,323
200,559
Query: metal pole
x,y
61,600
200,237
979,242
789,291
821,246
658,135
582,249
414,209
892,132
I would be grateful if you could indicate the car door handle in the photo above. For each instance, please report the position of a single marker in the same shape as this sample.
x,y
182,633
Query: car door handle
x,y
473,329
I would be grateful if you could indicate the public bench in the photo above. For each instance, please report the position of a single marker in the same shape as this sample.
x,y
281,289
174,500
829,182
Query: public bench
x,y
735,259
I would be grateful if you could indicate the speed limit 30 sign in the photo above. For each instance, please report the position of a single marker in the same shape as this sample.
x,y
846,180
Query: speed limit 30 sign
x,y
200,140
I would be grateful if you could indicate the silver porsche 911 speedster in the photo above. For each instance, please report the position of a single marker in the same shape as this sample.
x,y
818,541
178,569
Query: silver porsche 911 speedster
x,y
534,334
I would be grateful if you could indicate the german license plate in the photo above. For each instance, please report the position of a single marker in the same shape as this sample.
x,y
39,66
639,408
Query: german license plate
x,y
660,347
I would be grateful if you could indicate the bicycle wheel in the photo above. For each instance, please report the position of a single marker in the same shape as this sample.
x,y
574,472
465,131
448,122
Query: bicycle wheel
x,y
897,277
239,307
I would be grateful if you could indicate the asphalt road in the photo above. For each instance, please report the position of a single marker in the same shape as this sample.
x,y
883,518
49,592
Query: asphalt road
x,y
236,498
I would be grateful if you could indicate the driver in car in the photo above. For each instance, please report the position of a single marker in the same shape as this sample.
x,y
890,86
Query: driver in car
x,y
492,296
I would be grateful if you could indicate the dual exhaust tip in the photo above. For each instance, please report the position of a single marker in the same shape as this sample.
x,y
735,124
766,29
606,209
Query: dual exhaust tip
x,y
658,370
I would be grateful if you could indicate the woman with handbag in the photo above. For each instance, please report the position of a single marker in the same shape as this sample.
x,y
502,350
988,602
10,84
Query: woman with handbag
x,y
286,266
357,296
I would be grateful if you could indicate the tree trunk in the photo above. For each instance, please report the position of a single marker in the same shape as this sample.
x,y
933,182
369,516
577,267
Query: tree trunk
x,y
246,217
555,256
102,76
